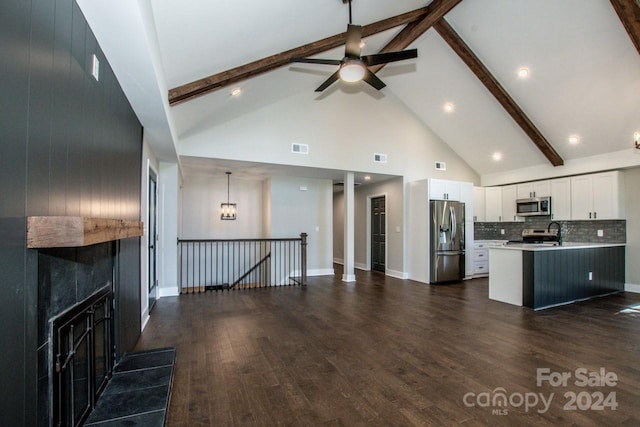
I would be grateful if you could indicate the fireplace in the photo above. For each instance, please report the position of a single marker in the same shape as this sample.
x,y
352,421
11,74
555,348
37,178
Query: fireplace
x,y
76,327
83,357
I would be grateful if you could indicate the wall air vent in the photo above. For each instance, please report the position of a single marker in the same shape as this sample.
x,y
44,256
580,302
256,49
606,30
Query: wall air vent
x,y
441,166
379,158
299,148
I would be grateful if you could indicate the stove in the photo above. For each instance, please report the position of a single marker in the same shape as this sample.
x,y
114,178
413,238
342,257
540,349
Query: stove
x,y
533,235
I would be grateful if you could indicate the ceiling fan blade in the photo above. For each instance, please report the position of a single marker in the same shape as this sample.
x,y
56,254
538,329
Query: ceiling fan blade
x,y
373,80
352,44
335,76
386,57
317,61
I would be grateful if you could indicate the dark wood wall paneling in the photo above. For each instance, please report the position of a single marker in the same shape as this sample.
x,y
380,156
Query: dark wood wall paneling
x,y
555,277
69,146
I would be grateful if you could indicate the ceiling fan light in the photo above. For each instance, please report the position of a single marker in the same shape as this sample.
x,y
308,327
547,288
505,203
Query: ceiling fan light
x,y
352,71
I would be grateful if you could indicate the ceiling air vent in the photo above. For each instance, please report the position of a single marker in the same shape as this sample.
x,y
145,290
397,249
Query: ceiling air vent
x,y
379,158
441,166
299,148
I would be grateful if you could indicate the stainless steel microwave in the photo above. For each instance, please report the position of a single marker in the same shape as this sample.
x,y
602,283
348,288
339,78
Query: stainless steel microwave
x,y
533,206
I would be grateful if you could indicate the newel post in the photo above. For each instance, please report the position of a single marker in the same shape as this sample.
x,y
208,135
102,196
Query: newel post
x,y
303,256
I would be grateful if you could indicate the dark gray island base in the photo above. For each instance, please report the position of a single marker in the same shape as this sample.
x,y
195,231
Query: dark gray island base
x,y
542,277
558,277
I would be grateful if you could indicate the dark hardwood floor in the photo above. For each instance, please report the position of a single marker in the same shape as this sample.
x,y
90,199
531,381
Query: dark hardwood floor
x,y
388,352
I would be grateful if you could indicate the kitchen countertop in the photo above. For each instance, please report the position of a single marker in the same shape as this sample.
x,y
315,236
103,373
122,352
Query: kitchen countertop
x,y
548,247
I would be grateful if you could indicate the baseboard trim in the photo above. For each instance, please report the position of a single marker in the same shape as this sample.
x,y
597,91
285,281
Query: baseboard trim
x,y
168,292
630,287
397,274
348,277
361,266
338,261
320,272
145,320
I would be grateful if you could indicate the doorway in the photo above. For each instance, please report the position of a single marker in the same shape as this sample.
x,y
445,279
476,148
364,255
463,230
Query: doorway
x,y
152,253
378,233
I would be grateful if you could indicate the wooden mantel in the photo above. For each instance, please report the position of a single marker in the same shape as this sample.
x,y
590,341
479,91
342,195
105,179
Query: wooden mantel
x,y
75,231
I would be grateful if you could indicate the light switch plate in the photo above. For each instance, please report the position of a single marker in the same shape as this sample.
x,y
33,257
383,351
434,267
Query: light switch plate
x,y
600,233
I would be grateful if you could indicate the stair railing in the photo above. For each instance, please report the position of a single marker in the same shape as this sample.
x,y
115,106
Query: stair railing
x,y
219,264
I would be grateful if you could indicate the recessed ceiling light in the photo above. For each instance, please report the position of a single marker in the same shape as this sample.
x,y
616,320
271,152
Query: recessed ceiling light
x,y
497,156
236,91
449,107
523,73
574,139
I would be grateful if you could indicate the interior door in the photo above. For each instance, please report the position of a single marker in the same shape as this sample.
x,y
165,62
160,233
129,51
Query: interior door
x,y
153,238
378,233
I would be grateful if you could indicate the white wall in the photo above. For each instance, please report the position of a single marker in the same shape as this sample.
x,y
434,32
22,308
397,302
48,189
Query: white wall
x,y
169,201
632,210
201,199
149,160
394,204
629,158
343,132
418,236
295,211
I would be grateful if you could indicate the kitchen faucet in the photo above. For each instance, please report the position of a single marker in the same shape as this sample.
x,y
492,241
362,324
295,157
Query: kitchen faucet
x,y
559,231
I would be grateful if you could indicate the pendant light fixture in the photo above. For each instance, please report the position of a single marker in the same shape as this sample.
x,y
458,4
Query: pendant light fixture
x,y
228,210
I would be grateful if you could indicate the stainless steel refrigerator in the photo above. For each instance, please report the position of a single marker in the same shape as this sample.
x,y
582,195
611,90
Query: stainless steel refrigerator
x,y
446,247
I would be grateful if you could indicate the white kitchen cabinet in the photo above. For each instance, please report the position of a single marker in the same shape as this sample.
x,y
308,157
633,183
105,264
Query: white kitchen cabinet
x,y
441,189
469,249
509,196
597,196
466,197
478,204
481,258
527,190
561,199
493,204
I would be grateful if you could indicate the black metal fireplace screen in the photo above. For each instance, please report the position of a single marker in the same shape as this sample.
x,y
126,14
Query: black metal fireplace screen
x,y
83,357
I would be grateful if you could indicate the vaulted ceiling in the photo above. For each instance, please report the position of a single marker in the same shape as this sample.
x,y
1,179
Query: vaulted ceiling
x,y
584,68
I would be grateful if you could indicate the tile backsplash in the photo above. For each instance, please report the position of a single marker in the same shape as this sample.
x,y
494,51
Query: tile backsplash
x,y
614,231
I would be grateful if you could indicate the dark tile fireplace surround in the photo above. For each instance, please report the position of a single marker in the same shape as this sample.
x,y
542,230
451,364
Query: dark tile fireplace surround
x,y
75,286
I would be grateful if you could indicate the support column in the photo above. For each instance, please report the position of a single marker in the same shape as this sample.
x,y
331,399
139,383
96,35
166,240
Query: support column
x,y
349,228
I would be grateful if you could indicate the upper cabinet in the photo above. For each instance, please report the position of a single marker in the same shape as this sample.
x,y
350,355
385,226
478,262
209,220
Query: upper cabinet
x,y
441,189
509,197
500,204
582,197
478,204
596,196
528,190
561,199
493,204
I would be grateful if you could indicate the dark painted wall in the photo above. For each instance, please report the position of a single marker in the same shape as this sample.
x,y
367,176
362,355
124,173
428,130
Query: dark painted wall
x,y
14,71
69,146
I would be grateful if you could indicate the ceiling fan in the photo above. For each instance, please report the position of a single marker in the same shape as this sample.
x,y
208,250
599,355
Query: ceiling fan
x,y
354,67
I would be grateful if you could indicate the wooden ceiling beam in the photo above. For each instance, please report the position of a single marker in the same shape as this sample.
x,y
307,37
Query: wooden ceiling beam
x,y
436,11
468,57
629,13
243,72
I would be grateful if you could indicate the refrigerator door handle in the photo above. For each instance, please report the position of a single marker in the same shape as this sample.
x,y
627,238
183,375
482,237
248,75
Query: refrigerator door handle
x,y
452,217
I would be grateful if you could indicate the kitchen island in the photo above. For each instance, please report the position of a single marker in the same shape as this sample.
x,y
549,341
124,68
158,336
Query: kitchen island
x,y
542,275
